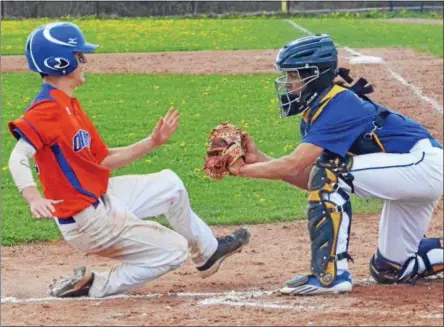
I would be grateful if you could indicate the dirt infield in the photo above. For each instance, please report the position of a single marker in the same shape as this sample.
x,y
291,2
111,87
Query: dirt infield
x,y
276,252
241,293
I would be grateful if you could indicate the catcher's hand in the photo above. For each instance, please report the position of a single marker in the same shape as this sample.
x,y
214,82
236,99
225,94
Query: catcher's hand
x,y
226,146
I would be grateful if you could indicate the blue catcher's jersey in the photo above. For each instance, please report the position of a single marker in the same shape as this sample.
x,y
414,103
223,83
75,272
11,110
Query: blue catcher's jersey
x,y
337,122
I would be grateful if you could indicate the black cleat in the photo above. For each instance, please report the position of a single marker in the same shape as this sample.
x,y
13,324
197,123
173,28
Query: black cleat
x,y
226,247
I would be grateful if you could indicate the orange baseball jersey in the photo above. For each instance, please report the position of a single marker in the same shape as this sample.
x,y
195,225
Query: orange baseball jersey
x,y
69,150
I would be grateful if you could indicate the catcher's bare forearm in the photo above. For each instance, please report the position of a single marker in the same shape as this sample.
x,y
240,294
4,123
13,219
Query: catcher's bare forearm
x,y
121,157
262,157
271,169
299,180
291,166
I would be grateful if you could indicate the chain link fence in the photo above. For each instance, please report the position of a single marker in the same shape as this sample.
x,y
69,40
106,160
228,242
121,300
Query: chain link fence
x,y
113,9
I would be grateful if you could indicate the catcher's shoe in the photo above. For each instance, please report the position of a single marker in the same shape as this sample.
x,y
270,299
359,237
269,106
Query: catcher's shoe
x,y
310,285
73,286
226,246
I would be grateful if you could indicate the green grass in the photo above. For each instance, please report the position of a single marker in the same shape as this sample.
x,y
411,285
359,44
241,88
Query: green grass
x,y
149,35
361,33
373,14
125,113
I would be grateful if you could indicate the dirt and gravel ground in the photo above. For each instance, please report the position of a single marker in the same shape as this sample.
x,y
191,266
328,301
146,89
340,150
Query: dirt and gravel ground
x,y
276,251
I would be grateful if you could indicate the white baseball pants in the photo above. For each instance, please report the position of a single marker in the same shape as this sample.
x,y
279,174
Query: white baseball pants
x,y
146,249
410,184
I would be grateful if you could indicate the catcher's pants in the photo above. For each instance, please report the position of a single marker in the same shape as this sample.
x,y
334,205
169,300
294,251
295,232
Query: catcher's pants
x,y
146,249
410,185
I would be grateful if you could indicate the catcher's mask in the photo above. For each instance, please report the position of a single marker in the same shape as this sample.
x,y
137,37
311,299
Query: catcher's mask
x,y
309,66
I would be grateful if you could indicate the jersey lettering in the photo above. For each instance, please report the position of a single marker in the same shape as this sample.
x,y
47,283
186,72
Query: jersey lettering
x,y
81,140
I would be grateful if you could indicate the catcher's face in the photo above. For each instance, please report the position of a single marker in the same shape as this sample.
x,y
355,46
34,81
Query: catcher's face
x,y
290,87
293,82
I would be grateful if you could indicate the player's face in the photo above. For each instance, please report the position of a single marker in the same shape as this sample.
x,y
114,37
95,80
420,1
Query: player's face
x,y
293,82
77,76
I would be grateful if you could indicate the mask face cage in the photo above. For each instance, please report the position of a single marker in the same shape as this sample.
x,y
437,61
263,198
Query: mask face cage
x,y
290,87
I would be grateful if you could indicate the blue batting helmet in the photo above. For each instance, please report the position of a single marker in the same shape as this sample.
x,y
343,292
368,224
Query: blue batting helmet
x,y
314,60
50,48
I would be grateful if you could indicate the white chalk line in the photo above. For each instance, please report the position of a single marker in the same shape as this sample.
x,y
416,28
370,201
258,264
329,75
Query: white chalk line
x,y
304,304
240,300
353,52
245,294
234,303
299,27
231,295
232,298
416,91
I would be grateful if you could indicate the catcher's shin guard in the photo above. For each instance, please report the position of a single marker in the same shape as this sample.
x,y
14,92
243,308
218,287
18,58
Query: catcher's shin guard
x,y
426,262
325,215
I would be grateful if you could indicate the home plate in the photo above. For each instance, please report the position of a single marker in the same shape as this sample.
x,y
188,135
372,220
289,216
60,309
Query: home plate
x,y
365,60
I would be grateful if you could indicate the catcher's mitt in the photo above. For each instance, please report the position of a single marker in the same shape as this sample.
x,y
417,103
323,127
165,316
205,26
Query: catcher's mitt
x,y
226,146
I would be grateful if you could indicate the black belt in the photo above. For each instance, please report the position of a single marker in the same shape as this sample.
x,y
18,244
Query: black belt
x,y
70,220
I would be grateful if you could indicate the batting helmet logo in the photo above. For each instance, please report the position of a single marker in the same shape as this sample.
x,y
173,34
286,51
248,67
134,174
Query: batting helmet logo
x,y
56,63
72,40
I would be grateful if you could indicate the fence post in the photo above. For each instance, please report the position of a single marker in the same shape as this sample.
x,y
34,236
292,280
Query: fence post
x,y
422,6
97,9
284,6
194,8
391,5
2,5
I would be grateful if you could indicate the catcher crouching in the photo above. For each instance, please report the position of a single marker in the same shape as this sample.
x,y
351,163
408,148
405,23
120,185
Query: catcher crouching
x,y
352,145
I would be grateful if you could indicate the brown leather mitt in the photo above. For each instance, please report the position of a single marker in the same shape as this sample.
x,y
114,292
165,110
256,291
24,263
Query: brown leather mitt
x,y
225,148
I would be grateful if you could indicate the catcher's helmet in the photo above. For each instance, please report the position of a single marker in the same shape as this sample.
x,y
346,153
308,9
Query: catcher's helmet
x,y
50,48
314,60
